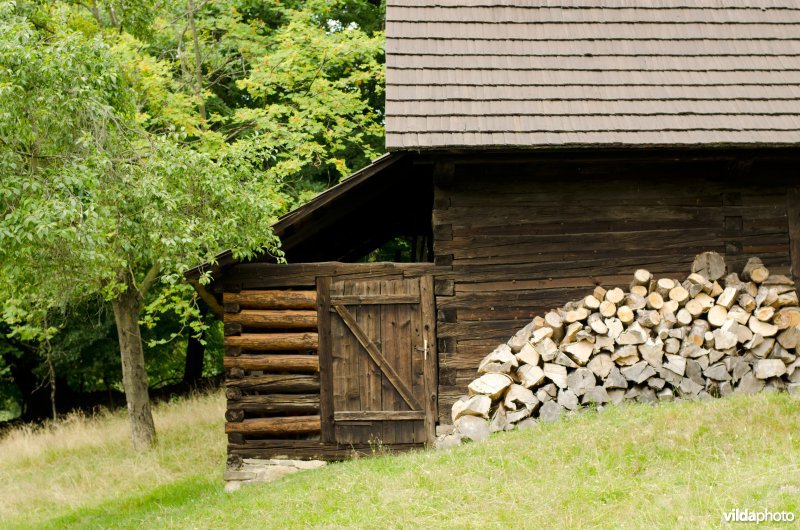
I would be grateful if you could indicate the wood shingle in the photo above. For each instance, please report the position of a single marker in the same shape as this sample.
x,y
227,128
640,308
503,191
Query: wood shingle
x,y
504,73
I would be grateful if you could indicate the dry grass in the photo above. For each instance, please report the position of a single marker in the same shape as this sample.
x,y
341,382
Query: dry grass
x,y
83,461
634,466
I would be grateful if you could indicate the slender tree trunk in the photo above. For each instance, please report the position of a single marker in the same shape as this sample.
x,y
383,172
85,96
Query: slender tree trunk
x,y
134,376
195,353
198,63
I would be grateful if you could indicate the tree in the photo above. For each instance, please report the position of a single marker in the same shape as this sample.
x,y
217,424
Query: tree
x,y
136,142
92,203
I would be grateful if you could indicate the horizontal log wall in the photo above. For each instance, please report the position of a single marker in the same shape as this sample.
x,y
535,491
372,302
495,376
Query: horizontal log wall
x,y
272,382
271,361
520,237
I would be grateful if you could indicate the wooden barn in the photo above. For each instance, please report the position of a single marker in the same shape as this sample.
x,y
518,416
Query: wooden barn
x,y
535,150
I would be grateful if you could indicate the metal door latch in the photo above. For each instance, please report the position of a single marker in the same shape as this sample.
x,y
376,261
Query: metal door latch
x,y
424,349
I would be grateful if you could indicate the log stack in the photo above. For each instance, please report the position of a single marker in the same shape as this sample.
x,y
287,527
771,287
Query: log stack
x,y
272,369
711,335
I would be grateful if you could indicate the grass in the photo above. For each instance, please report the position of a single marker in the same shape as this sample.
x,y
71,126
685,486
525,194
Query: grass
x,y
634,466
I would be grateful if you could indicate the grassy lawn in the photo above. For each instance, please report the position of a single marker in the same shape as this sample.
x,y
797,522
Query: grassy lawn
x,y
634,466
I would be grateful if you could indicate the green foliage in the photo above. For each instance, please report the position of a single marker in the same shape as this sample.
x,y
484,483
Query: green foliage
x,y
141,138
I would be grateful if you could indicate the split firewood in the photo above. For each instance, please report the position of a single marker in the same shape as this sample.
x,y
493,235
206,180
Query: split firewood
x,y
556,373
694,307
599,293
576,315
556,323
655,301
491,385
591,302
738,314
717,315
755,271
747,302
641,277
679,294
684,317
787,317
664,286
615,327
635,302
648,319
766,296
764,329
728,297
625,314
786,299
710,265
608,309
615,296
595,322
764,314
670,306
704,337
790,337
706,285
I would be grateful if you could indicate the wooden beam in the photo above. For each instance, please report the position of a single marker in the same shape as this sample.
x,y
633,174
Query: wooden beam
x,y
431,374
274,341
793,217
308,449
325,351
275,426
272,403
255,277
274,319
378,299
378,357
276,383
379,415
274,363
279,299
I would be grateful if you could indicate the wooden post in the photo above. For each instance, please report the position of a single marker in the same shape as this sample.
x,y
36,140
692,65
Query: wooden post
x,y
325,352
430,403
793,217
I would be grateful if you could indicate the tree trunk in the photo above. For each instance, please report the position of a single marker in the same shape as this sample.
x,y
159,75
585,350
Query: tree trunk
x,y
195,355
134,376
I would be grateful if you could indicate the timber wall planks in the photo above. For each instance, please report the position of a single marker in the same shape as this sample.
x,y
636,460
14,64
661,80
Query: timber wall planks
x,y
274,329
518,238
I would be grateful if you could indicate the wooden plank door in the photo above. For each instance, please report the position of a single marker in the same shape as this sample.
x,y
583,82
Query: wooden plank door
x,y
377,360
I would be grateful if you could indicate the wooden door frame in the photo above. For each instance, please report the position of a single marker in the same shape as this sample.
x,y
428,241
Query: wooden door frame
x,y
428,406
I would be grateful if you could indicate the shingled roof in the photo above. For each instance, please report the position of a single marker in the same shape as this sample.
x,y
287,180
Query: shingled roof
x,y
546,73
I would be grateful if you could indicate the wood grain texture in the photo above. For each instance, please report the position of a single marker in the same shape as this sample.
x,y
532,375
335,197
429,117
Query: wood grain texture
x,y
276,403
276,383
325,352
267,299
376,355
275,426
379,415
793,218
274,363
527,236
273,319
274,341
305,449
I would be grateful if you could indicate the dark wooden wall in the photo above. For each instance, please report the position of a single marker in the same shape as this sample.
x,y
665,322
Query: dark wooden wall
x,y
279,352
521,236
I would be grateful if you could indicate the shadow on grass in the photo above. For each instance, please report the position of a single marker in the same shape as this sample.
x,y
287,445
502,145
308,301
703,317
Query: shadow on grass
x,y
129,512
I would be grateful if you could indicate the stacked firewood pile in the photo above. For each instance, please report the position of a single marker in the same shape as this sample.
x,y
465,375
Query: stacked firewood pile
x,y
709,336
